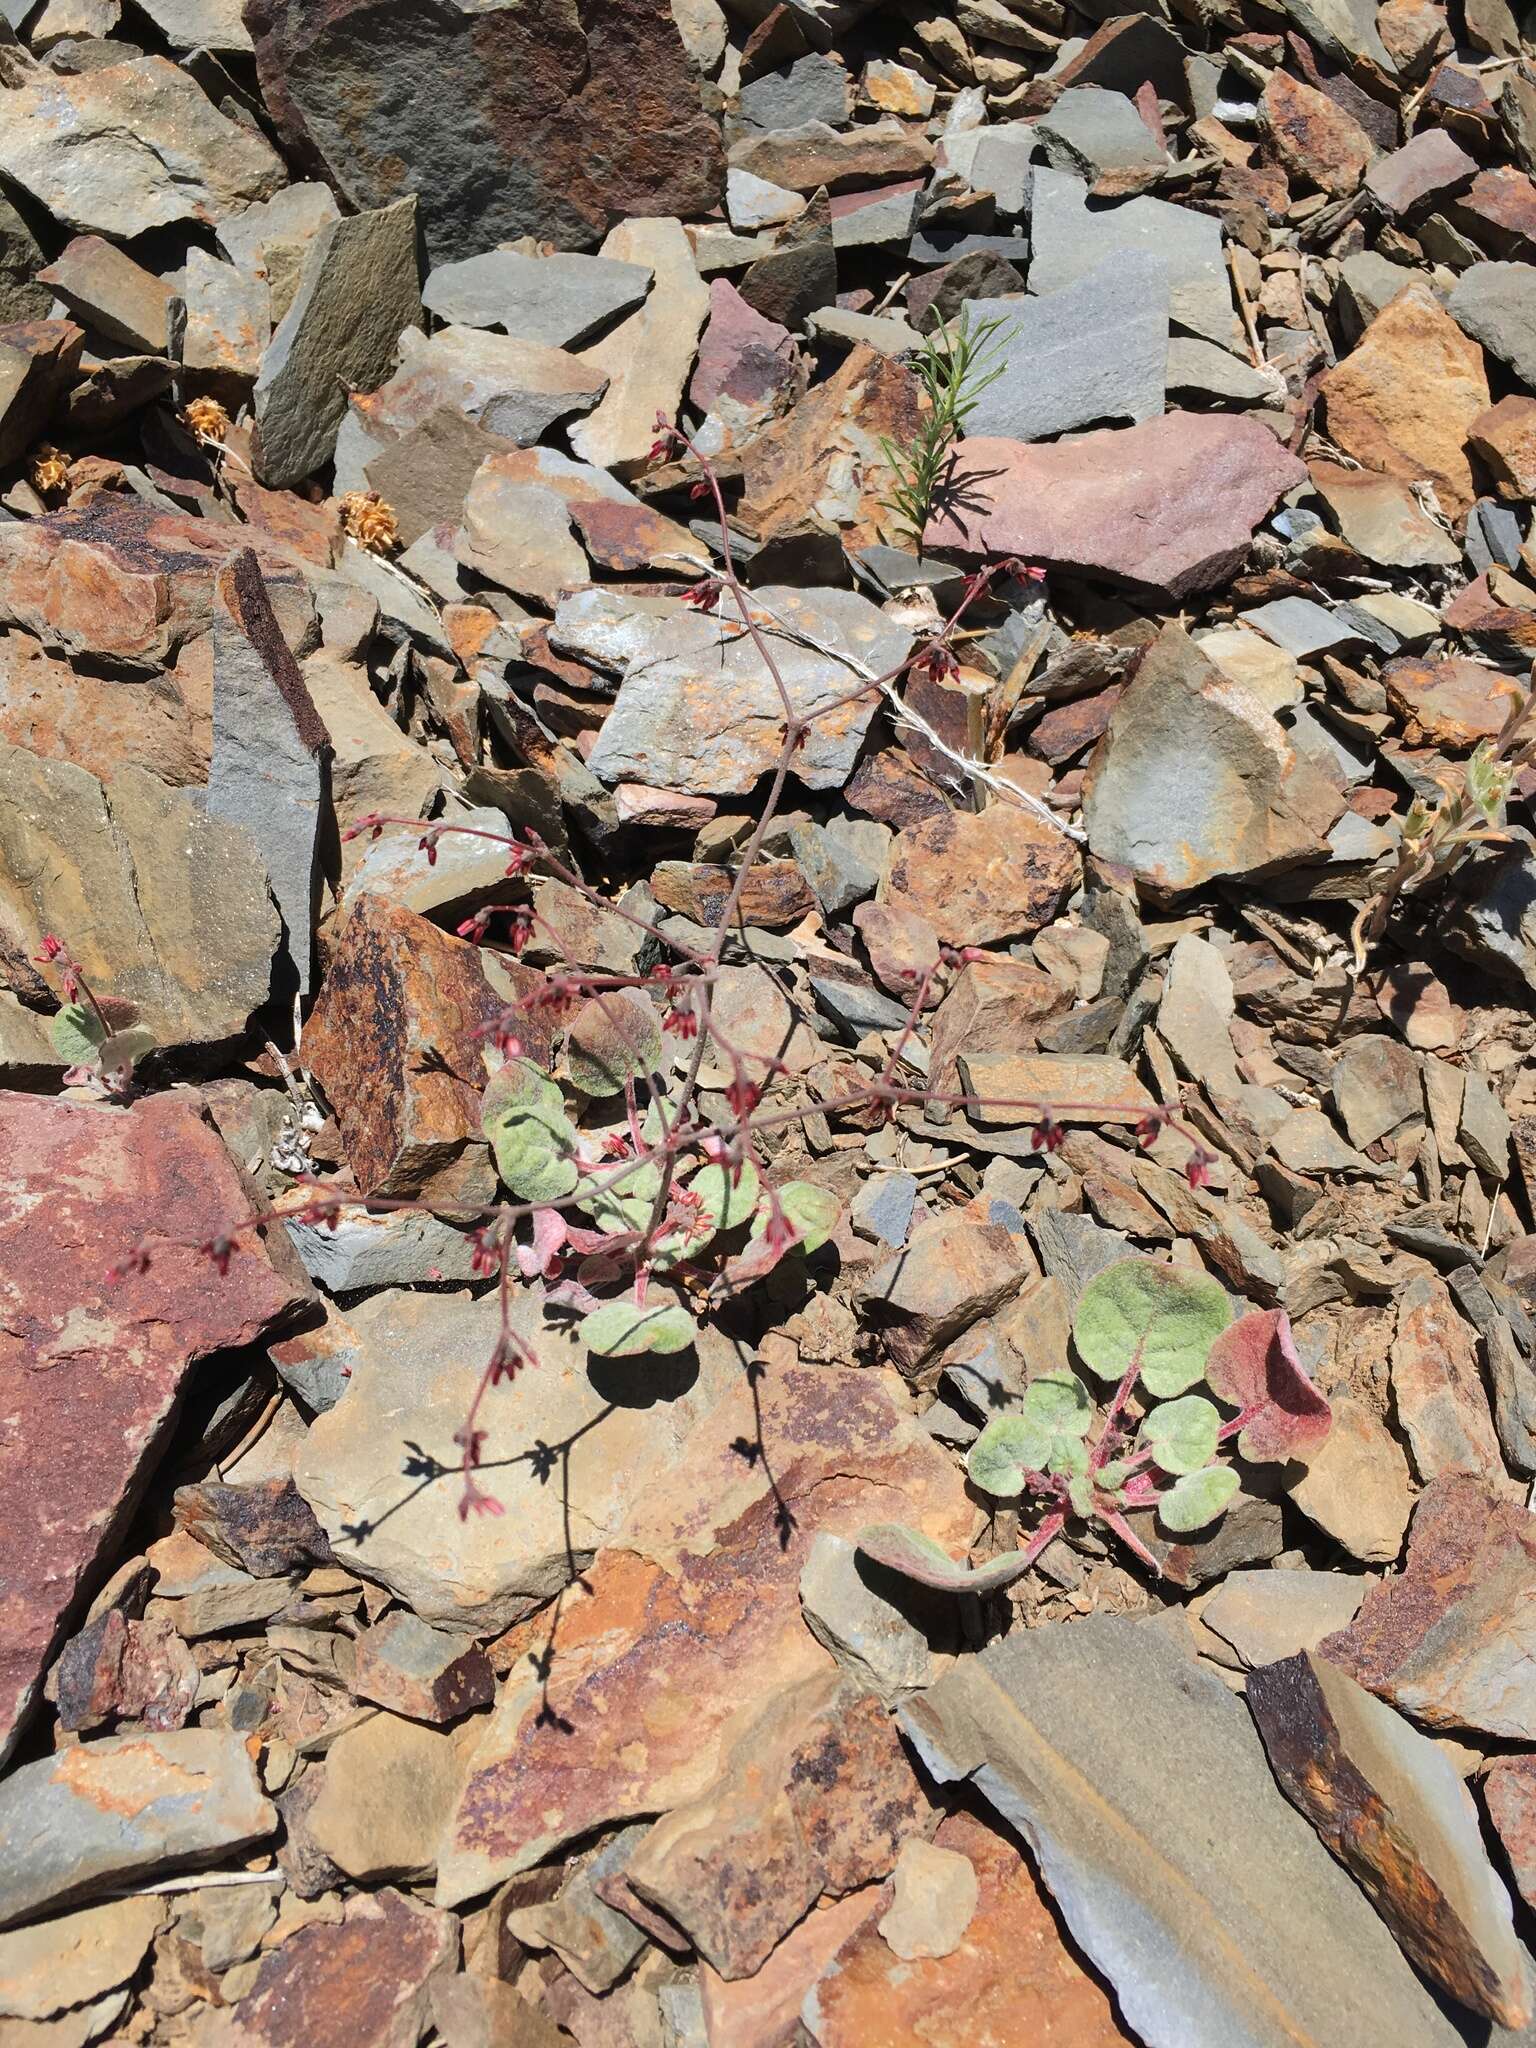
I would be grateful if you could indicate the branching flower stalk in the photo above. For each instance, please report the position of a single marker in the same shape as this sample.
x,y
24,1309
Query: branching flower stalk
x,y
635,1202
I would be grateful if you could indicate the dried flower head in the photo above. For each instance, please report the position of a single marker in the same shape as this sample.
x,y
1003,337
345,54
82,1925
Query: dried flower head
x,y
206,418
48,471
370,522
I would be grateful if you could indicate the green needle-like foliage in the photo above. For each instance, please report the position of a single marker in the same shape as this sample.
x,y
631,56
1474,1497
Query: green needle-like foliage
x,y
956,365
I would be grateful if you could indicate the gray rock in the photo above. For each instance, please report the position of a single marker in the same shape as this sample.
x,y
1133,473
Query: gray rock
x,y
131,147
360,287
1267,1615
799,276
269,242
835,869
1070,239
200,24
1368,282
996,159
1094,352
856,1008
1073,1248
228,321
366,1250
1377,1084
425,475
1149,1808
812,88
111,295
270,766
1089,131
701,713
1493,535
21,297
890,336
1496,304
104,1813
871,1639
596,1944
1484,1129
1299,625
953,245
514,388
1204,370
557,301
878,218
1495,926
1345,29
883,1208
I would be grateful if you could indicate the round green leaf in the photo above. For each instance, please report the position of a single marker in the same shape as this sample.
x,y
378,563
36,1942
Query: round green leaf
x,y
614,1037
123,1048
1059,1403
729,1201
75,1033
530,1160
624,1204
622,1329
1197,1498
1181,1435
520,1089
813,1211
1007,1448
1162,1318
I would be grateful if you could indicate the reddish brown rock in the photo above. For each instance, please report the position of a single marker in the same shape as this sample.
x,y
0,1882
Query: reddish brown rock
x,y
1443,1641
368,1978
98,722
1509,1791
1504,440
1168,506
517,133
775,892
1429,166
902,948
429,1673
801,162
992,1006
128,1670
263,1528
764,2011
1391,1807
38,358
816,1798
1066,729
1497,613
1451,703
981,876
1011,1983
953,1270
1404,399
749,368
399,1041
120,579
890,786
1498,210
692,1619
1313,137
91,1369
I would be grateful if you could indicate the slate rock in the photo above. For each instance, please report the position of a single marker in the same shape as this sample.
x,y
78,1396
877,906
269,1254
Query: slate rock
x,y
261,1526
1313,136
110,294
1430,166
392,1512
847,1609
1090,132
798,277
432,1674
937,295
123,868
501,121
980,876
131,147
813,154
1094,351
1251,805
557,301
1509,1791
360,286
38,358
1377,1085
1440,1641
1167,506
811,88
596,1943
954,1270
386,1793
1146,1800
1496,304
1267,1615
21,297
105,1813
1437,1384
1392,1808
1380,517
520,513
934,1898
366,1250
425,476
269,771
1069,239
74,1959
648,357
700,712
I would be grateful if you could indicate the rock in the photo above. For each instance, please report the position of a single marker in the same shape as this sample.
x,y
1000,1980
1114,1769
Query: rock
x,y
846,1609
816,1797
775,893
798,276
1267,1615
512,388
1100,136
1168,506
428,1673
199,24
896,88
753,203
692,1619
1437,1385
360,285
1381,519
37,360
269,769
953,1271
1194,1018
1145,1798
267,243
121,867
369,1976
511,134
1069,239
701,714
938,295
1394,1811
1203,369
228,322
1484,1127
1010,1978
399,1040
1450,703
1496,304
935,1894
1504,440
1376,398
261,1527
76,1958
556,301
1314,136
1095,350
425,475
811,88
1431,165
364,1249
1377,1085
21,297
1508,1791
111,295
760,2011
386,1793
804,158
1196,778
130,147
596,1944
520,511
979,876
1439,1641
382,1472
648,357
121,1350
105,1813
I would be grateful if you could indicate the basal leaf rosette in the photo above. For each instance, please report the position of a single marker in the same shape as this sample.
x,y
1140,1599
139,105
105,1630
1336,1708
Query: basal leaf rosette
x,y
1161,1319
1043,1434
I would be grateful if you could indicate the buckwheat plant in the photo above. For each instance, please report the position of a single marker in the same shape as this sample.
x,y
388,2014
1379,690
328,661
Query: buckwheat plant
x,y
639,1205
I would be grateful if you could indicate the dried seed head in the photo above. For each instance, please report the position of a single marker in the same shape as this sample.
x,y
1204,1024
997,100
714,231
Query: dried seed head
x,y
206,418
370,522
48,471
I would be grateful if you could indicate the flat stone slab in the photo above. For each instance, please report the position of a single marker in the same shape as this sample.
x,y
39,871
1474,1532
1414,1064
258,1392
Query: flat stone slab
x,y
557,301
1071,237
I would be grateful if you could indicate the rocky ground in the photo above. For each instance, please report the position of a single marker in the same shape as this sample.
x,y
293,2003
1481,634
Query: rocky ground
x,y
685,1686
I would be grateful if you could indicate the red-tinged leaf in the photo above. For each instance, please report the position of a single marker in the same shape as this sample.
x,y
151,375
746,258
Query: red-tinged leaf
x,y
1113,1519
571,1294
1254,1368
755,1263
